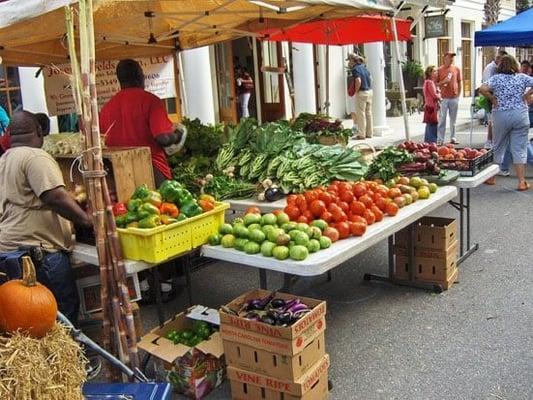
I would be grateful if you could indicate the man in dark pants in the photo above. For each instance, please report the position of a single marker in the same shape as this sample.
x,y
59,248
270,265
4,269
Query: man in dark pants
x,y
34,212
135,117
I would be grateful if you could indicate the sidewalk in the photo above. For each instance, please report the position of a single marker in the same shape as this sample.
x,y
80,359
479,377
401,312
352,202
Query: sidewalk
x,y
417,127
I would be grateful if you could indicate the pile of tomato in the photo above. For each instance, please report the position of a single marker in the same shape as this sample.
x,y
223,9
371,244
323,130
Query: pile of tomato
x,y
347,207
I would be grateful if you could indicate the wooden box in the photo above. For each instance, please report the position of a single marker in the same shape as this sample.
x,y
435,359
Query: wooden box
x,y
126,167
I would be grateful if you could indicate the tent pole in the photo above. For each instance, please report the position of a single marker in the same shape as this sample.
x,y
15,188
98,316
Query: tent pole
x,y
183,89
326,104
473,104
402,85
257,86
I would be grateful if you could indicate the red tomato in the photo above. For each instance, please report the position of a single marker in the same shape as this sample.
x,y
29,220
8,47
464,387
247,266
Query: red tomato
x,y
345,187
357,208
346,196
357,218
370,193
333,188
394,192
344,229
293,212
376,197
303,219
310,196
326,216
309,215
300,202
325,197
359,189
366,200
277,212
291,199
381,203
340,216
377,213
392,209
344,206
253,210
331,233
332,208
358,228
370,217
317,207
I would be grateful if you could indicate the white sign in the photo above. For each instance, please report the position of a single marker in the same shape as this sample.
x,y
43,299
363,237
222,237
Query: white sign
x,y
158,73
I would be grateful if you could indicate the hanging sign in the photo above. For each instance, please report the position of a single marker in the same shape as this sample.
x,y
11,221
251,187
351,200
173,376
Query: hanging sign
x,y
435,26
158,73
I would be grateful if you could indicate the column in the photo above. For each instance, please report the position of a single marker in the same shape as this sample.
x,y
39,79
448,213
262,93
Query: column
x,y
337,82
198,85
376,65
304,78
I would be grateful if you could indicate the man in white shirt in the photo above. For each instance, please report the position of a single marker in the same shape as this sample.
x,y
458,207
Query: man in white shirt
x,y
488,72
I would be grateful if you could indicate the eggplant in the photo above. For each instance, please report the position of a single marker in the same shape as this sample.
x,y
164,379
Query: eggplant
x,y
277,303
253,316
255,304
267,320
298,307
299,314
273,194
285,318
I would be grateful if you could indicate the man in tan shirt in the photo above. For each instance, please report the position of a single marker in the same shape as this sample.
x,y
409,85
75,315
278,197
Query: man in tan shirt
x,y
35,210
449,81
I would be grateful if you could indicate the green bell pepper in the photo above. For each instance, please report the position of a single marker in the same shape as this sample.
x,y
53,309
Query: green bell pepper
x,y
154,198
149,208
121,221
181,217
150,222
141,192
130,217
134,204
190,208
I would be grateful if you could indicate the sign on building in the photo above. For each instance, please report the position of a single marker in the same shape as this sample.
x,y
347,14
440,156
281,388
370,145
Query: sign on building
x,y
435,26
158,73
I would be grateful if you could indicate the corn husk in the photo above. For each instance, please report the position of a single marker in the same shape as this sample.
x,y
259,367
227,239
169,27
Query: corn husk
x,y
50,368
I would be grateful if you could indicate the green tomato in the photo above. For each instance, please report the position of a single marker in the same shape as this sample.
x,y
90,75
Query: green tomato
x,y
269,219
325,242
225,229
228,241
252,248
280,252
299,253
267,248
214,239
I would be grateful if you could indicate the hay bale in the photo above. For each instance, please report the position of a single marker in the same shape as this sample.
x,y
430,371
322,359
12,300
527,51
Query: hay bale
x,y
51,368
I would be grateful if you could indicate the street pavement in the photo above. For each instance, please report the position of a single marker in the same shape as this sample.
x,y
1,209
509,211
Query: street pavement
x,y
472,342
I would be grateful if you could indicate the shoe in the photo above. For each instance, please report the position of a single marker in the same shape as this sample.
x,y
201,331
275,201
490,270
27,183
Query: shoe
x,y
504,172
522,186
93,367
454,141
490,181
488,145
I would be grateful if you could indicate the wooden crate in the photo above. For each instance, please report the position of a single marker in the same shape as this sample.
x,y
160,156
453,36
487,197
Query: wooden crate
x,y
127,168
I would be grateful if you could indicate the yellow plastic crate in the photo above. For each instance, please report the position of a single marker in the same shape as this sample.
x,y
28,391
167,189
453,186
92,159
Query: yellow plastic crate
x,y
159,244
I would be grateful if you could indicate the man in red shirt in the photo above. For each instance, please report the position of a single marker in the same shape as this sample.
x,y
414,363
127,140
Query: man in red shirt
x,y
135,117
449,81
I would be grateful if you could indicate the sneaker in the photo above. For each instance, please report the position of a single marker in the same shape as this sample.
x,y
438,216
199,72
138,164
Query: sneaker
x,y
488,145
504,172
454,141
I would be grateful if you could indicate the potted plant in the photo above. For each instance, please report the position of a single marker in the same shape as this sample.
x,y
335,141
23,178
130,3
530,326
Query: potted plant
x,y
412,74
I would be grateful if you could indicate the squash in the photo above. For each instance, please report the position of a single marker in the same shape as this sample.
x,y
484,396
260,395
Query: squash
x,y
27,305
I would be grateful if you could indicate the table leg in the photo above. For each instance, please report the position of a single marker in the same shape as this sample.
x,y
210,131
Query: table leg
x,y
461,221
469,249
411,282
468,219
157,292
187,267
288,283
262,278
329,276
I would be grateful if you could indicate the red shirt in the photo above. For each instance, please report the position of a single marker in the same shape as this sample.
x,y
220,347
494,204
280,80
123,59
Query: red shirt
x,y
135,117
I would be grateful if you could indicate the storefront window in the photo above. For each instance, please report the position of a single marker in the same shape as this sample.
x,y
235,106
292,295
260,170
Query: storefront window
x,y
10,95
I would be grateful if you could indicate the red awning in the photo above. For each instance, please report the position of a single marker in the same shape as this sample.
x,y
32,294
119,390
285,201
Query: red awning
x,y
343,31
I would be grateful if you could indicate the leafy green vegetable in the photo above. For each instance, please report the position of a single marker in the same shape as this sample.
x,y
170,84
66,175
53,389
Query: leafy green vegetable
x,y
384,165
224,187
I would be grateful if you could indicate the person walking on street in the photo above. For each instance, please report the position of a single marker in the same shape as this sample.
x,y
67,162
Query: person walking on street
x,y
507,92
449,81
245,85
489,72
431,104
363,97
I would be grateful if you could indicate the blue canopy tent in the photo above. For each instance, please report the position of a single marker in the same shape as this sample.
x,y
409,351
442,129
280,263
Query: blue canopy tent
x,y
513,32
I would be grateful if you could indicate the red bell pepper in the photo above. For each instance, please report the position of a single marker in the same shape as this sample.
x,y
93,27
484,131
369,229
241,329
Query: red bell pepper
x,y
119,209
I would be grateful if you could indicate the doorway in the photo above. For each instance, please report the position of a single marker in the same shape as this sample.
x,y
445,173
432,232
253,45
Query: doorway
x,y
271,83
243,61
466,45
225,82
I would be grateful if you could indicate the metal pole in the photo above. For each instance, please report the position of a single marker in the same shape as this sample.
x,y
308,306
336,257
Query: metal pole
x,y
473,104
257,81
326,104
402,85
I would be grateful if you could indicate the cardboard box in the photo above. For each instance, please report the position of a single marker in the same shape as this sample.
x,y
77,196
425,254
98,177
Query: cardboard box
x,y
430,265
311,386
193,371
89,292
92,324
430,233
445,283
289,340
273,364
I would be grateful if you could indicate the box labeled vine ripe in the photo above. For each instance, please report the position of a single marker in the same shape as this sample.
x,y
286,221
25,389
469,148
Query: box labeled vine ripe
x,y
285,340
311,386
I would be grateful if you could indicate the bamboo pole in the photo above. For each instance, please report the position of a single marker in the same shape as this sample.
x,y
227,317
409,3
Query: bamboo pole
x,y
119,334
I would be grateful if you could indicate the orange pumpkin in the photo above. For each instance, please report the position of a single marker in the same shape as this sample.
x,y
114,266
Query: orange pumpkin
x,y
27,305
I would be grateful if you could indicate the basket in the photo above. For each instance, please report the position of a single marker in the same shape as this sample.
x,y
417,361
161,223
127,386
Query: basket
x,y
159,244
469,167
332,140
368,152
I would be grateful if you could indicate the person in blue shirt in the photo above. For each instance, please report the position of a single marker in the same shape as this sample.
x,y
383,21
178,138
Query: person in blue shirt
x,y
4,120
363,97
